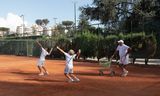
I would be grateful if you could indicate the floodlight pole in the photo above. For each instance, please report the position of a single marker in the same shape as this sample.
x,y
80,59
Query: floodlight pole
x,y
55,21
22,16
75,16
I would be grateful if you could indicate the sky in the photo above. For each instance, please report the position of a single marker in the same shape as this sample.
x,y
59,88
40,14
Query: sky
x,y
11,10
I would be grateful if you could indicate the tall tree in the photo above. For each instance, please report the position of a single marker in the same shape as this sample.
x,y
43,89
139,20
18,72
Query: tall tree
x,y
83,23
142,17
43,23
68,27
111,13
4,30
39,22
103,10
67,24
58,30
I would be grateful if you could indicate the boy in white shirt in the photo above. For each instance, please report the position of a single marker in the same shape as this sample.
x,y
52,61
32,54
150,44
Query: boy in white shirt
x,y
41,61
68,71
124,56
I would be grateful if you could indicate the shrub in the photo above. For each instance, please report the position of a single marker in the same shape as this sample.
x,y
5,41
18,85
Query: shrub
x,y
142,46
87,42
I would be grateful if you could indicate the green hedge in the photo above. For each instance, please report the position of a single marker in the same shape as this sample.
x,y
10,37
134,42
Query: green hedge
x,y
143,46
87,42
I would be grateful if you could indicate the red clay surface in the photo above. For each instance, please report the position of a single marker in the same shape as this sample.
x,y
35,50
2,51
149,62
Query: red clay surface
x,y
18,77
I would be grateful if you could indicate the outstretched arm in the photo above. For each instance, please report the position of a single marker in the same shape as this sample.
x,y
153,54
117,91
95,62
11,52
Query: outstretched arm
x,y
50,51
114,54
60,50
39,44
78,53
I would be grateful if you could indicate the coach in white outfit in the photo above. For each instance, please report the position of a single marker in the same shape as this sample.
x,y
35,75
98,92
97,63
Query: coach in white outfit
x,y
124,56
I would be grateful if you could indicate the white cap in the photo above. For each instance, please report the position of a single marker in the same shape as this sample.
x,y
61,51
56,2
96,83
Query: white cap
x,y
120,41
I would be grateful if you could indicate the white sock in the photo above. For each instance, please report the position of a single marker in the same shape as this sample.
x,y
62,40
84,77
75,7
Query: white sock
x,y
71,79
124,70
77,79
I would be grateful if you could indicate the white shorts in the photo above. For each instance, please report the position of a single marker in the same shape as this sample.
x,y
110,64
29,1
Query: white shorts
x,y
68,70
124,60
40,63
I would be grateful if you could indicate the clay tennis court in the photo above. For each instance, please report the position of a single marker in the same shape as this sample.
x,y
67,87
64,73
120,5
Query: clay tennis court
x,y
18,77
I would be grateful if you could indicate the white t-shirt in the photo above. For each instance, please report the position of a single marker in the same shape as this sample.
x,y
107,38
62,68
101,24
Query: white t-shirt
x,y
122,50
69,60
44,53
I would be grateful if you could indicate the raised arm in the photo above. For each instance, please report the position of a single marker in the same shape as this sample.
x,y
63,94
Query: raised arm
x,y
50,51
60,50
78,53
39,44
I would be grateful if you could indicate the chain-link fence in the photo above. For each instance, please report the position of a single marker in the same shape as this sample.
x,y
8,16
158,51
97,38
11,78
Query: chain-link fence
x,y
23,47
